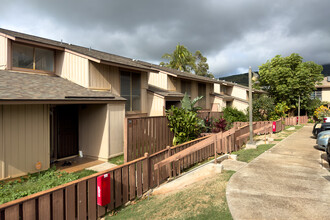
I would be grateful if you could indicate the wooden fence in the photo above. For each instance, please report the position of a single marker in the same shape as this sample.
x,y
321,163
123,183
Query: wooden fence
x,y
209,114
146,134
77,199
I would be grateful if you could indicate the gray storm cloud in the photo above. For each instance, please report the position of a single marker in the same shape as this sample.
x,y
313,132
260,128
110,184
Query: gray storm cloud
x,y
231,34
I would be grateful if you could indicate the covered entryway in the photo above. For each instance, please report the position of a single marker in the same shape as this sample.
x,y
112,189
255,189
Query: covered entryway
x,y
64,131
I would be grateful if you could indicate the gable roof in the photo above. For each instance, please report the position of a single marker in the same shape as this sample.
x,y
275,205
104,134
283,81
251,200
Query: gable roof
x,y
96,55
178,73
324,83
17,86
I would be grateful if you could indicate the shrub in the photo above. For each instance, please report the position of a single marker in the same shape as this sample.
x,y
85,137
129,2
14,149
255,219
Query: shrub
x,y
232,115
219,126
184,124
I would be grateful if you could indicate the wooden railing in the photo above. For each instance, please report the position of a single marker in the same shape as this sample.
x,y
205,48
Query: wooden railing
x,y
212,145
203,114
146,134
77,199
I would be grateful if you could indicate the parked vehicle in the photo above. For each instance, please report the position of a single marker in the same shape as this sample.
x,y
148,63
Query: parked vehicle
x,y
323,139
324,127
316,128
327,149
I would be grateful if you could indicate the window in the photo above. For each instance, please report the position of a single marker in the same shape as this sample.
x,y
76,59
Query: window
x,y
186,87
202,92
130,89
34,58
317,94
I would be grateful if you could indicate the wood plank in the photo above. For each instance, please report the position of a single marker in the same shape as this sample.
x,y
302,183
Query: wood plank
x,y
111,205
12,213
132,181
44,207
145,170
118,188
91,184
58,205
152,173
125,184
81,200
29,210
139,179
70,202
134,145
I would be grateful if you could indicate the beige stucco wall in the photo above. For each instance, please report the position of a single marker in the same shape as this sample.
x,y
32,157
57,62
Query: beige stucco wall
x,y
239,92
101,130
217,104
3,52
73,68
24,139
326,94
216,88
94,131
116,113
156,105
158,79
242,106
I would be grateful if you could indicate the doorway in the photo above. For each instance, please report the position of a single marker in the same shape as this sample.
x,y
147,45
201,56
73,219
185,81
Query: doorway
x,y
63,132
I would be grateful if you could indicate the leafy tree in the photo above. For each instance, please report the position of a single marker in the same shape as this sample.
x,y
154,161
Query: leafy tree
x,y
263,107
202,67
182,59
287,78
312,105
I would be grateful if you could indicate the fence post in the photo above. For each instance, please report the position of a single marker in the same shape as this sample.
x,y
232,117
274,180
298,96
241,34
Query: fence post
x,y
125,140
146,155
215,148
168,154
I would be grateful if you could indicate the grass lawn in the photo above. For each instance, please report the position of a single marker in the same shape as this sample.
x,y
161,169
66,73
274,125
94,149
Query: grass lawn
x,y
119,160
203,200
37,182
247,155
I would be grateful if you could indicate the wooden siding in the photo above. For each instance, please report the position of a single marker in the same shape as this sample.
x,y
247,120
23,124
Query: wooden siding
x,y
171,83
94,131
25,139
73,68
156,105
116,119
216,88
104,76
158,79
217,104
144,87
3,52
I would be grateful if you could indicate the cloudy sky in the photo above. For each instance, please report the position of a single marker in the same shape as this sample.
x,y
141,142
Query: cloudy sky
x,y
232,34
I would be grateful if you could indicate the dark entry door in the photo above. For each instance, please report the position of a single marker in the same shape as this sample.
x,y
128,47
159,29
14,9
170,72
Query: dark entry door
x,y
67,131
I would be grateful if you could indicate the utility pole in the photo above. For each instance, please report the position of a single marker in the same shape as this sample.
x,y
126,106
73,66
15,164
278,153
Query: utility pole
x,y
250,107
299,111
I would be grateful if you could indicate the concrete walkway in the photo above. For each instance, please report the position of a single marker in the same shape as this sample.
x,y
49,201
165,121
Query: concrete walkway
x,y
286,182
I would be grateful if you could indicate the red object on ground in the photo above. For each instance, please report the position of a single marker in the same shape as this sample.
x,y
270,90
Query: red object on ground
x,y
103,190
274,126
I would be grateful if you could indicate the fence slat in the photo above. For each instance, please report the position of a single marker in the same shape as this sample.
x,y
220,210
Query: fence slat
x,y
12,212
139,179
29,210
132,187
118,188
44,207
81,200
70,202
58,205
92,198
145,170
125,184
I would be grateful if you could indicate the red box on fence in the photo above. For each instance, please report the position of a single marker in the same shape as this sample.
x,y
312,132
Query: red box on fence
x,y
274,126
297,119
103,190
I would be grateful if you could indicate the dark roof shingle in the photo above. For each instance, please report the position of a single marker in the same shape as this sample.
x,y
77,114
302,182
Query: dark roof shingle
x,y
26,86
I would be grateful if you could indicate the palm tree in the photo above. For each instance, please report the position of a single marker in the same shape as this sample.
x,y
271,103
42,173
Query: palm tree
x,y
181,59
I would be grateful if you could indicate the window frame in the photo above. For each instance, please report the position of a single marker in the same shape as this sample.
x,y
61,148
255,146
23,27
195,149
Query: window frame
x,y
34,70
131,90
